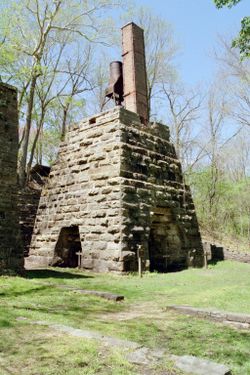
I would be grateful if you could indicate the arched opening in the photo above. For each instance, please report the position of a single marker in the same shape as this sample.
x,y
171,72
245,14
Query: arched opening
x,y
165,243
67,247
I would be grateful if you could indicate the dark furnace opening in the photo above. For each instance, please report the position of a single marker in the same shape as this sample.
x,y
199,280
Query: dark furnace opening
x,y
67,247
165,242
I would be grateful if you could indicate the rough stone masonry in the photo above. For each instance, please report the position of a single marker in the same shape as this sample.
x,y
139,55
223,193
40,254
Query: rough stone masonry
x,y
11,251
116,191
115,185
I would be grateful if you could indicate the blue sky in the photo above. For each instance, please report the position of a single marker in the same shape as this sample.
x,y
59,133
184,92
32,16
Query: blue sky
x,y
197,23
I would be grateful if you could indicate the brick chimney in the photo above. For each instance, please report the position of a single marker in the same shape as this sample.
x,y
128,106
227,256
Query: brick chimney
x,y
134,70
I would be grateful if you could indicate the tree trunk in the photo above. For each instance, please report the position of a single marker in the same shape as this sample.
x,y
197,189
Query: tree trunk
x,y
26,136
34,146
65,114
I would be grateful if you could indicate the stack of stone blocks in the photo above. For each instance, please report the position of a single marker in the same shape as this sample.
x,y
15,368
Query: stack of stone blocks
x,y
11,251
119,181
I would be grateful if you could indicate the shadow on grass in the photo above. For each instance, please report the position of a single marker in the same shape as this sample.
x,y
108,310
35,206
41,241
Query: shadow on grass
x,y
72,310
45,274
12,292
4,323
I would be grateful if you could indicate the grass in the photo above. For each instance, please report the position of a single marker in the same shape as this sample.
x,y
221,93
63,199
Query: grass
x,y
225,286
36,350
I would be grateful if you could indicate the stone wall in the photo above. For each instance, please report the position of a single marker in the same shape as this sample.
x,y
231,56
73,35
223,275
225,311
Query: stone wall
x,y
28,201
238,256
237,320
216,252
119,184
83,190
158,211
11,251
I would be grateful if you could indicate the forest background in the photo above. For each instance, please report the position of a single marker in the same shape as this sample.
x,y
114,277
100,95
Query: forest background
x,y
57,54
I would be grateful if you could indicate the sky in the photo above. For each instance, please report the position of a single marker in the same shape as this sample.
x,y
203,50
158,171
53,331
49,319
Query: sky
x,y
197,24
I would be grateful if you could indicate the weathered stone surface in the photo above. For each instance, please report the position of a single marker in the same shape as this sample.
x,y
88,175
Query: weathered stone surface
x,y
220,316
28,201
106,295
131,194
197,366
11,251
145,356
141,355
217,252
108,340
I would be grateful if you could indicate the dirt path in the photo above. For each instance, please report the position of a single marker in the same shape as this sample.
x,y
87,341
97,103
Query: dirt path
x,y
137,310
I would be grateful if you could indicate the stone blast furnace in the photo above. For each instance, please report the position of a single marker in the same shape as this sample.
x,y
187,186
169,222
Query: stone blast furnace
x,y
116,184
116,192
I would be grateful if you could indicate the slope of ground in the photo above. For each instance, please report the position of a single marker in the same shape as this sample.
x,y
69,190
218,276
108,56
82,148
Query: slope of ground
x,y
142,317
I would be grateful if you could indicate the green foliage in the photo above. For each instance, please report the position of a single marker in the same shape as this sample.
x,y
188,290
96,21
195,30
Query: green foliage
x,y
243,40
230,209
228,3
46,52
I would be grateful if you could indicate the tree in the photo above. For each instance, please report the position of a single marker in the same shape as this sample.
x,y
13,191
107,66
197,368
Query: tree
x,y
243,40
36,27
236,156
77,70
182,113
220,179
217,110
207,178
236,77
217,182
99,79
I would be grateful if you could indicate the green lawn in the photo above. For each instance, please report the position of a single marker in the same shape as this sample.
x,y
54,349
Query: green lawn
x,y
142,317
